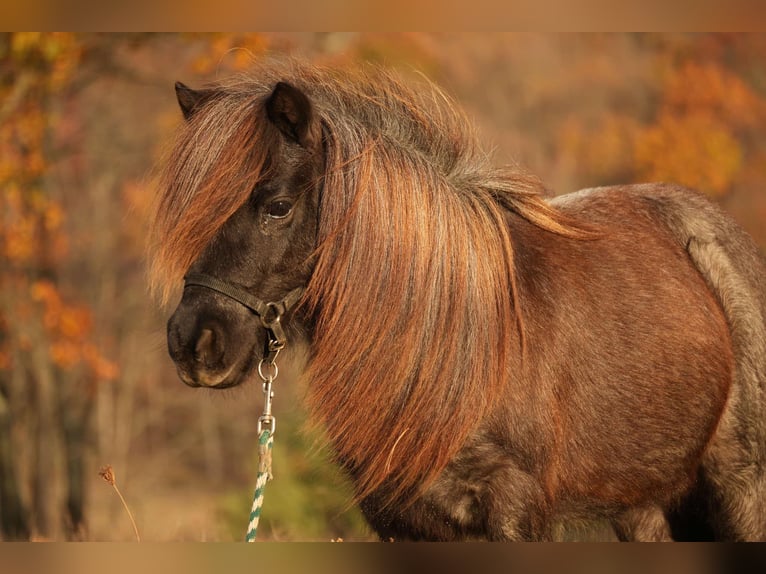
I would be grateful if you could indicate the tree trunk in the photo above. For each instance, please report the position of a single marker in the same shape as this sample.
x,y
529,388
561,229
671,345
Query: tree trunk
x,y
13,516
75,410
75,470
46,472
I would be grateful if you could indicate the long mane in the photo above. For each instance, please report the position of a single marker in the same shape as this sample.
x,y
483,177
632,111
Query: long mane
x,y
413,294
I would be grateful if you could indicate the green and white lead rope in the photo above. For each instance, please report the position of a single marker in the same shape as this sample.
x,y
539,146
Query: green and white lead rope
x,y
267,424
265,444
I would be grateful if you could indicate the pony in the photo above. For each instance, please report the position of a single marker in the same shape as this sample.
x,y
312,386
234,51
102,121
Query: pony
x,y
487,362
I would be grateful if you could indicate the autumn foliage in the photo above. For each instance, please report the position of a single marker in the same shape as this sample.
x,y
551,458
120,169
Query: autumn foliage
x,y
703,127
33,242
46,336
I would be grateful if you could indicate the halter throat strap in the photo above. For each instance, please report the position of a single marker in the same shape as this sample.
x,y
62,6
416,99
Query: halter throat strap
x,y
270,313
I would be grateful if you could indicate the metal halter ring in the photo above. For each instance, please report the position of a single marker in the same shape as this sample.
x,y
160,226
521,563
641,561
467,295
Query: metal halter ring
x,y
272,366
274,312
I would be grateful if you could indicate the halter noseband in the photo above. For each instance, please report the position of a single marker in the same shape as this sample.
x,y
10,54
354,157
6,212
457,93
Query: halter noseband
x,y
269,313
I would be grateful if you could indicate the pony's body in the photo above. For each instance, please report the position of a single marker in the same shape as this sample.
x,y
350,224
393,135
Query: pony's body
x,y
653,354
485,363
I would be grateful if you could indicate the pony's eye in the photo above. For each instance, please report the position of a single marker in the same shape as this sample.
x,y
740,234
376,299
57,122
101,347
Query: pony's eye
x,y
279,209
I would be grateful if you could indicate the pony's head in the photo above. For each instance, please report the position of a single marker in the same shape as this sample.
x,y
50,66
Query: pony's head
x,y
240,208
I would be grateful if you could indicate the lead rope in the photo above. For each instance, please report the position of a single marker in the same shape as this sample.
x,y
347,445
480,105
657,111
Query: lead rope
x,y
265,444
267,424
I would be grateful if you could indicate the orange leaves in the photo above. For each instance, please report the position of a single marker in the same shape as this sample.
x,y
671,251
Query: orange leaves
x,y
68,355
21,143
57,52
30,222
33,241
39,66
101,367
65,354
22,135
709,89
69,346
697,149
17,232
701,126
59,319
25,219
68,328
700,134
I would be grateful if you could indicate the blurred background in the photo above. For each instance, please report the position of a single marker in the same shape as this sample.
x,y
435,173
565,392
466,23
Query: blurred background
x,y
85,380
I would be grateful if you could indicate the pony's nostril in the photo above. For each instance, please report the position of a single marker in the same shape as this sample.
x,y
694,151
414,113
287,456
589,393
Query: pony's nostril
x,y
207,350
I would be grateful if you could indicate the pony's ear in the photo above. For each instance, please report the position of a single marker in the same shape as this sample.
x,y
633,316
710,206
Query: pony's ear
x,y
190,100
291,111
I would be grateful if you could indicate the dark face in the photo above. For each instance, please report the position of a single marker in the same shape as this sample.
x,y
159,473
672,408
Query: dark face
x,y
264,249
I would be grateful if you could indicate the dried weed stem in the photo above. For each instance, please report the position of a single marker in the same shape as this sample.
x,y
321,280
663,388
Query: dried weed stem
x,y
107,473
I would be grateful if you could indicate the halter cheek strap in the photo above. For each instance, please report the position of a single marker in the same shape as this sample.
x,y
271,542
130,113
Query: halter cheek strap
x,y
270,313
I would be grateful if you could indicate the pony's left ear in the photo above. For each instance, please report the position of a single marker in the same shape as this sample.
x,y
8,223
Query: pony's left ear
x,y
190,100
291,111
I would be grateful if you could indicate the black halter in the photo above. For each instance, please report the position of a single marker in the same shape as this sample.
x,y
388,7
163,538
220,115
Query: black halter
x,y
270,313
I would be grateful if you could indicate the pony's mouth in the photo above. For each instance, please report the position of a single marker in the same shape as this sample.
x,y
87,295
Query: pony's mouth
x,y
238,373
208,380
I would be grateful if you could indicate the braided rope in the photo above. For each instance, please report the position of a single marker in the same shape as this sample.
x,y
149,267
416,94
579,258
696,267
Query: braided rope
x,y
265,444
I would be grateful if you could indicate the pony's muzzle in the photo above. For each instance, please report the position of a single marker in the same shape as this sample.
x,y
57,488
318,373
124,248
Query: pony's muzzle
x,y
199,352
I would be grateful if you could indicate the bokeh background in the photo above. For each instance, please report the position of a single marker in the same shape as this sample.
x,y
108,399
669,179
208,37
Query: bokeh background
x,y
85,380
